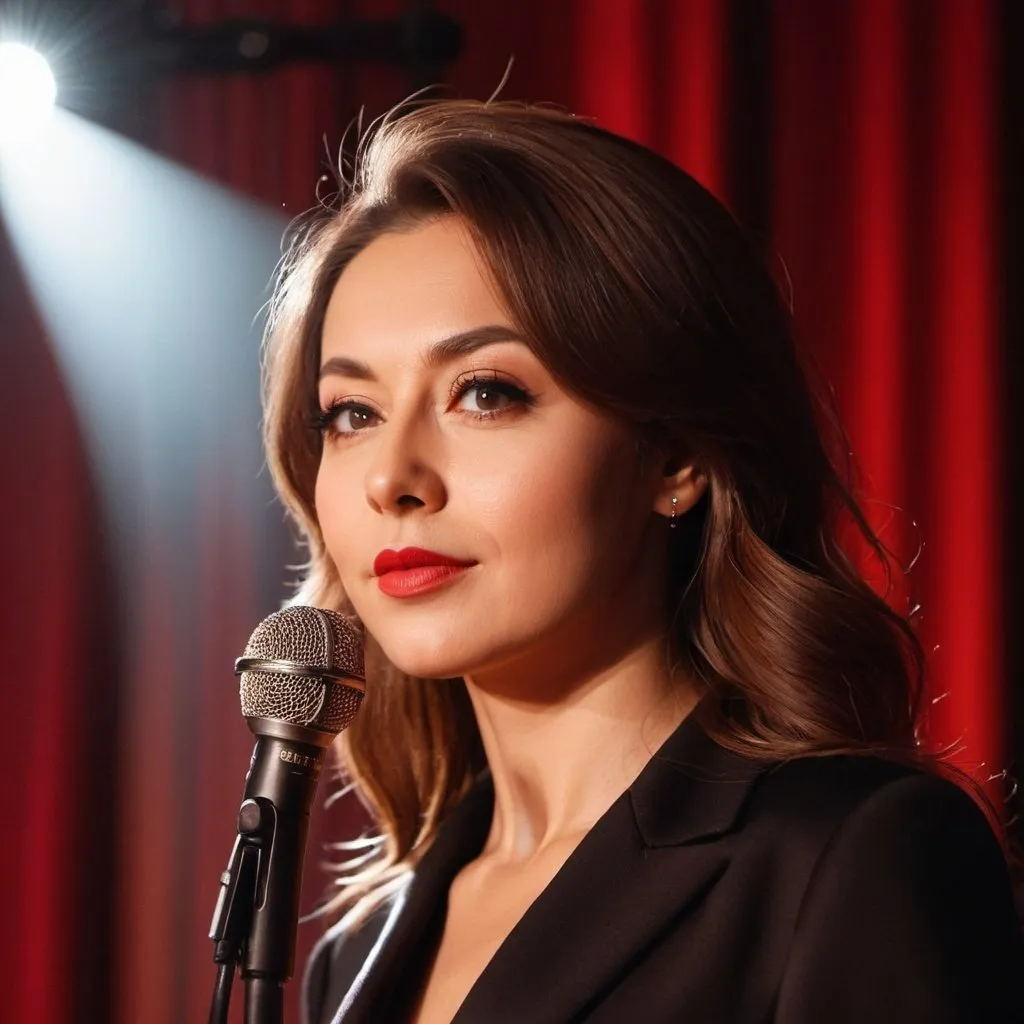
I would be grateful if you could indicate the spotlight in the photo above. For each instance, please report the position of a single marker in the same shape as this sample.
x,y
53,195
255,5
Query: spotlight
x,y
27,91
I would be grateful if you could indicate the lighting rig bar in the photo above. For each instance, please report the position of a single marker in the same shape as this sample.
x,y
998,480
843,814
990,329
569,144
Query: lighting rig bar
x,y
419,40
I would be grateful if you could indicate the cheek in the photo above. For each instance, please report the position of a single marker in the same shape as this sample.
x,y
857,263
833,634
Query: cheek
x,y
562,507
335,516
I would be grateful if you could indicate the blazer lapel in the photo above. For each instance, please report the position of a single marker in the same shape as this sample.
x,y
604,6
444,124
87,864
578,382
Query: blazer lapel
x,y
414,908
649,858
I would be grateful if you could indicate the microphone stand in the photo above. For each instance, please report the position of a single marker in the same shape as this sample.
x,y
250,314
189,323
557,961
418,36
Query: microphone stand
x,y
232,917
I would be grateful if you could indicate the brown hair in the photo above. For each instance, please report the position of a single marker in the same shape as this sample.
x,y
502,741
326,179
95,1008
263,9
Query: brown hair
x,y
641,295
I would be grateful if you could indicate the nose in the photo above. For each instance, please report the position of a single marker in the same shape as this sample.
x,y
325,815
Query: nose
x,y
403,476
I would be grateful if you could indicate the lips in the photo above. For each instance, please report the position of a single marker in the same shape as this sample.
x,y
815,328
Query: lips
x,y
413,558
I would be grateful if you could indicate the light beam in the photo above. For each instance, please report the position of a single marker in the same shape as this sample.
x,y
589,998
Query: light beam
x,y
27,92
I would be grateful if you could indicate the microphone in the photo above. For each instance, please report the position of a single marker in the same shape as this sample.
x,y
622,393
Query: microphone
x,y
302,682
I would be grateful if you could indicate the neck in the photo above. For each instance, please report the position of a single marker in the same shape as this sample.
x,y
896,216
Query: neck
x,y
558,766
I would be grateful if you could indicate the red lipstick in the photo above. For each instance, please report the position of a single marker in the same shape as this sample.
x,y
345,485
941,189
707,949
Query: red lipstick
x,y
414,571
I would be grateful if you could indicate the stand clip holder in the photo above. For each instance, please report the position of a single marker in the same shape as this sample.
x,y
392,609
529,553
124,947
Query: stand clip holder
x,y
242,888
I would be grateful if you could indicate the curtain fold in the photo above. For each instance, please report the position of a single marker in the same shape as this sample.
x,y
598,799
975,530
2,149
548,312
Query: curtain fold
x,y
60,703
884,209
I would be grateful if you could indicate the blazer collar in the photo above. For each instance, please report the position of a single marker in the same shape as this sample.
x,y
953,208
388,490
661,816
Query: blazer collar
x,y
648,857
415,906
692,789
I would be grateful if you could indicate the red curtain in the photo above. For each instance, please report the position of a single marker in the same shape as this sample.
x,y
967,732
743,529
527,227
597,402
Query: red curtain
x,y
60,689
857,137
885,215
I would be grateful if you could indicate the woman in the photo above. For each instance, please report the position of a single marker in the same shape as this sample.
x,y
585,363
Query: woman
x,y
639,739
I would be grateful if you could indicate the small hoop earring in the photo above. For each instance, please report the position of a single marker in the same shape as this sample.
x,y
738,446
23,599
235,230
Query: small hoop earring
x,y
672,521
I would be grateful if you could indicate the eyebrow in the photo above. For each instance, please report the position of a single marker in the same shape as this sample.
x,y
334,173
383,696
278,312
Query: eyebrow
x,y
441,352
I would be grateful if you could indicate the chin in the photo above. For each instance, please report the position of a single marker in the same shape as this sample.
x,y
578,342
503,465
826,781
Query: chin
x,y
426,666
415,656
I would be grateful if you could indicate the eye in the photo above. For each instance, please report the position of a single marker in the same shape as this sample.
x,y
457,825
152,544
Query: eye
x,y
486,395
344,418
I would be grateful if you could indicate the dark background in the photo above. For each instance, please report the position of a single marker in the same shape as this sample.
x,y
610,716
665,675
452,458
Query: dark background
x,y
873,148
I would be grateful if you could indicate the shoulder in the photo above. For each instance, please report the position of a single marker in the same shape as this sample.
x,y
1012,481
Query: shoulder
x,y
336,960
906,908
879,815
874,821
868,822
823,799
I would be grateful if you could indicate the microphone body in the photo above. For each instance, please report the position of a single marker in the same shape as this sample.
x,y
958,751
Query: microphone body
x,y
274,814
301,683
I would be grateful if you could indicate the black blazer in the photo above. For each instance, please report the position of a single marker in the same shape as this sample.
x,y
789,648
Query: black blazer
x,y
719,891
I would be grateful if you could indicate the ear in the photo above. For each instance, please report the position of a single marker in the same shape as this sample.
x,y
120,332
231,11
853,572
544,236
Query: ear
x,y
683,481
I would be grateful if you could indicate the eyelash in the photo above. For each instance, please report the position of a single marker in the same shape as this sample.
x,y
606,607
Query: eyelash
x,y
325,418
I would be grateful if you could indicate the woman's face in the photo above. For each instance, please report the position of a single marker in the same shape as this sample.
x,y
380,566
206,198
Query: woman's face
x,y
444,432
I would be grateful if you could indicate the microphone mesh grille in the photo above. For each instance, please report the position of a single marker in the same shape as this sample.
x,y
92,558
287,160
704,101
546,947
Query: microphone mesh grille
x,y
316,637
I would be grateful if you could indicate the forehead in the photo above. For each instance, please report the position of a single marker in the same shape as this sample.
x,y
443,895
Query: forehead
x,y
409,288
